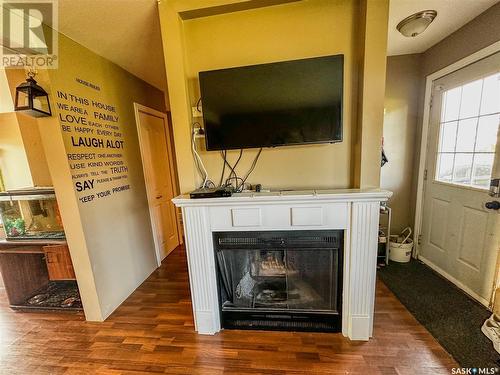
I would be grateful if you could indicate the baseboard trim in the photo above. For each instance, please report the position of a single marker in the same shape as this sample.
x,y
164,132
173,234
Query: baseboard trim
x,y
459,284
204,323
360,327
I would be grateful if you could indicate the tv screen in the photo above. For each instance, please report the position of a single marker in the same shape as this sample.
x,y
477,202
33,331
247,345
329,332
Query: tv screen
x,y
276,104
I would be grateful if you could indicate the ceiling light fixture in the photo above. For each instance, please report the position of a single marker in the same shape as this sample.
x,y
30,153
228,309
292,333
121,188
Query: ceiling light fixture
x,y
416,23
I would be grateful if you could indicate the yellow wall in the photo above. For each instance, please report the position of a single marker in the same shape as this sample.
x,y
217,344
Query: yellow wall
x,y
110,239
13,160
68,205
35,152
22,157
271,34
6,102
372,47
276,33
116,229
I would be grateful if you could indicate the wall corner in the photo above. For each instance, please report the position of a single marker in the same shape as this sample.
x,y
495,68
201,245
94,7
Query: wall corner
x,y
372,55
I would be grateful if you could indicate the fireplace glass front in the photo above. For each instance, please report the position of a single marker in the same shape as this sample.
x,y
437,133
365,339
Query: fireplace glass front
x,y
281,280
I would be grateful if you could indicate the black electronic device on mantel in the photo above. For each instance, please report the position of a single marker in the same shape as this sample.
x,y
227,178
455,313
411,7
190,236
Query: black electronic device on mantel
x,y
219,192
276,104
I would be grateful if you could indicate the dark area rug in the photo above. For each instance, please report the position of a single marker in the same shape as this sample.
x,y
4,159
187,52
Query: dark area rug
x,y
451,316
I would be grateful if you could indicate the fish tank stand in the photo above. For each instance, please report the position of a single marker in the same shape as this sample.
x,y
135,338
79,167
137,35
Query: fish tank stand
x,y
31,280
35,263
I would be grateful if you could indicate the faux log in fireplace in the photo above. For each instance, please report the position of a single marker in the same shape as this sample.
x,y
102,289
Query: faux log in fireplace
x,y
280,280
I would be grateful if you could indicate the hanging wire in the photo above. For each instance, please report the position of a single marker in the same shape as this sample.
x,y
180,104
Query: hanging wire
x,y
223,154
197,159
254,163
238,183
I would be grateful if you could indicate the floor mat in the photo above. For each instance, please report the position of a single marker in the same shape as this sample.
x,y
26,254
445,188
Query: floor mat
x,y
451,316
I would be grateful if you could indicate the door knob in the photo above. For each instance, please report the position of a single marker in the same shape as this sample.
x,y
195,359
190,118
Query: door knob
x,y
493,205
159,196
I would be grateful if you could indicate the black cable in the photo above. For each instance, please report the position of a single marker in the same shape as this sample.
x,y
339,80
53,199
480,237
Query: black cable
x,y
254,163
224,156
233,175
223,168
236,181
236,164
198,105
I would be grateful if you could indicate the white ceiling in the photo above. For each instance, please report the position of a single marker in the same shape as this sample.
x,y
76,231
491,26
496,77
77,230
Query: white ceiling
x,y
126,32
451,15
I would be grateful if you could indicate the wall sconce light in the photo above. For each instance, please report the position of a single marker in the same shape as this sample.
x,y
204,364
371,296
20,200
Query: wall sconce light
x,y
32,99
416,23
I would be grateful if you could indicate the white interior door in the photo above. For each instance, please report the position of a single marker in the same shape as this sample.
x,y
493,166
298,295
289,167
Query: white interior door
x,y
158,167
460,235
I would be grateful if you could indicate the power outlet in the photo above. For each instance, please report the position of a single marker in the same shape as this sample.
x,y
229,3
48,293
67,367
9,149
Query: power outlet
x,y
199,132
195,112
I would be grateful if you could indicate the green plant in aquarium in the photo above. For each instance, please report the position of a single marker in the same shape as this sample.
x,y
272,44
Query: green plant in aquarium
x,y
15,227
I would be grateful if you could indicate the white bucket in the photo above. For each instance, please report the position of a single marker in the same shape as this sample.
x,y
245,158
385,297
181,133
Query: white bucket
x,y
400,247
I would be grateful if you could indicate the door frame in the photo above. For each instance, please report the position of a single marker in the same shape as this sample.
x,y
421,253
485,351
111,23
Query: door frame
x,y
138,108
481,54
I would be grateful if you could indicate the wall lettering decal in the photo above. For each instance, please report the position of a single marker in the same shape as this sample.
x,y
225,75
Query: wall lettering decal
x,y
93,132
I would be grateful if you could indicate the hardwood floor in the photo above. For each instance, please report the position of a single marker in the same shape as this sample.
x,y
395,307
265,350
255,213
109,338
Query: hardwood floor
x,y
152,332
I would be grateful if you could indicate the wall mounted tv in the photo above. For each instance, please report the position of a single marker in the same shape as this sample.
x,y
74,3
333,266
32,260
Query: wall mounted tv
x,y
284,103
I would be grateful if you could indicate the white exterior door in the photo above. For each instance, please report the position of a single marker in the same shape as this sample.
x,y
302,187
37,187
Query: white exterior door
x,y
159,177
460,236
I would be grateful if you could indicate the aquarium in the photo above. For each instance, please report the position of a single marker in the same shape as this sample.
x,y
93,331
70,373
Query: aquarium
x,y
31,215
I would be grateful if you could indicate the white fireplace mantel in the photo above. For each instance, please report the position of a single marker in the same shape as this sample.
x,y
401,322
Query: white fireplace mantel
x,y
353,210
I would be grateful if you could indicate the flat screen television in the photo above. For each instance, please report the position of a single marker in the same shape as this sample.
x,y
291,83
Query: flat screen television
x,y
283,103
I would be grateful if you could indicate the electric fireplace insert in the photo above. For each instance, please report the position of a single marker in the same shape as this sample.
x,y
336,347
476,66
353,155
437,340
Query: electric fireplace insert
x,y
280,280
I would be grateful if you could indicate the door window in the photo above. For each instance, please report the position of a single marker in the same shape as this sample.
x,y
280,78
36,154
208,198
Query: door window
x,y
470,116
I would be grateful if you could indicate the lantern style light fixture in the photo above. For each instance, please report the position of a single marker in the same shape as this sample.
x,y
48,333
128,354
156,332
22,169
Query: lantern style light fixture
x,y
417,23
32,99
